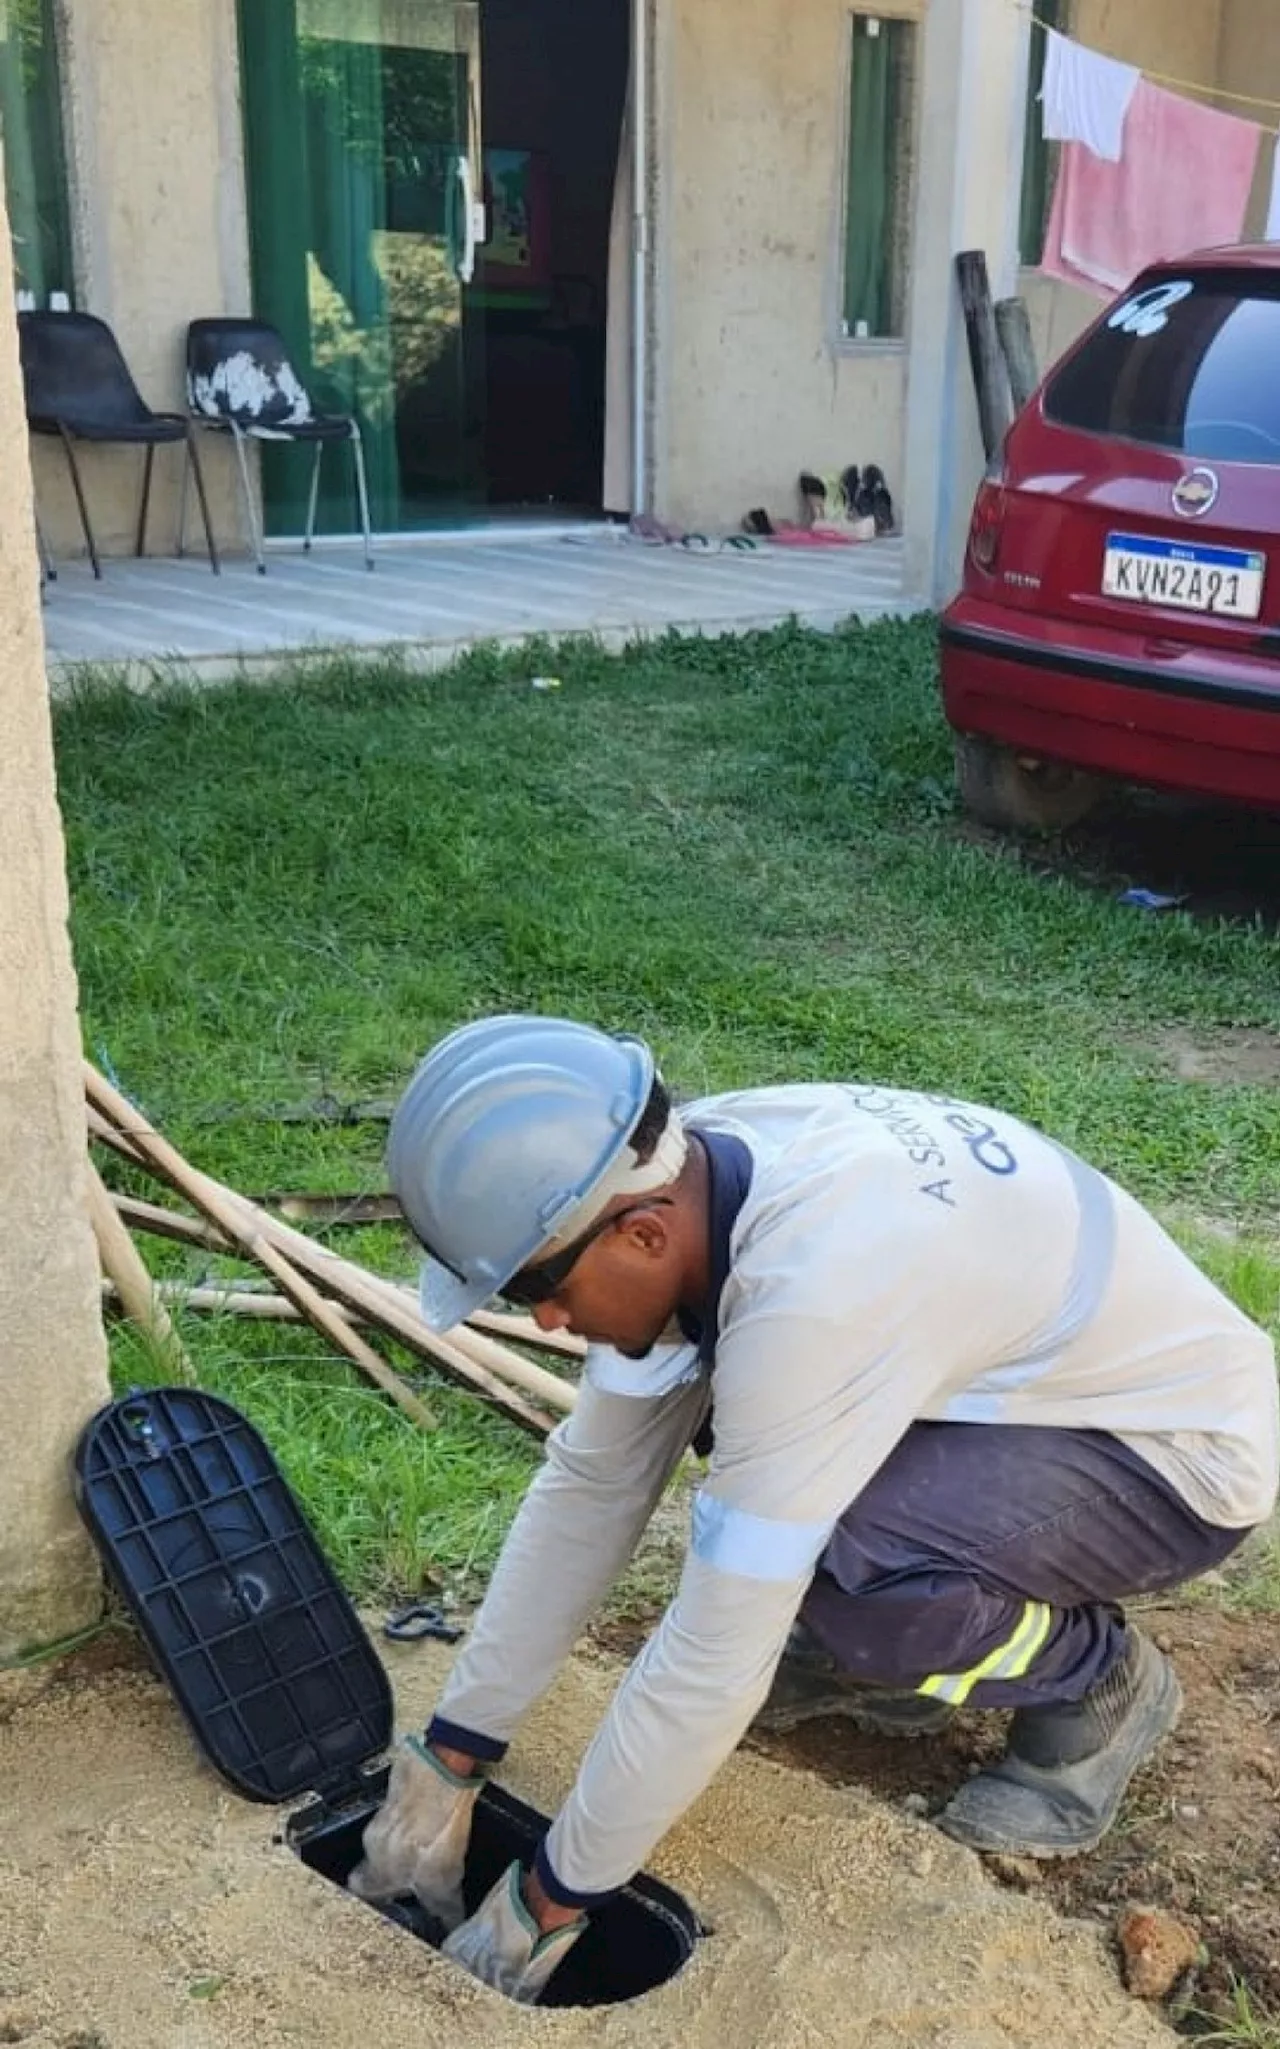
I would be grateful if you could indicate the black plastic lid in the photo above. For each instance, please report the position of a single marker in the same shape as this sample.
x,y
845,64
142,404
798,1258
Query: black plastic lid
x,y
238,1604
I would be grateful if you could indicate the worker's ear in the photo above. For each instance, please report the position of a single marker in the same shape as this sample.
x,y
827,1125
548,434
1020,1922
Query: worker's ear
x,y
647,1231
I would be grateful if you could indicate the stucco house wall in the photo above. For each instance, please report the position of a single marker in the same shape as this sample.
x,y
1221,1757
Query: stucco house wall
x,y
151,106
755,380
751,378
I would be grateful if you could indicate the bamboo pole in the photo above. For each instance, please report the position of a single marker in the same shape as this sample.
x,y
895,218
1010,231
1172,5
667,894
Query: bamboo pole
x,y
167,1223
395,1308
231,1299
217,1301
122,1264
501,1323
524,1373
236,1301
290,1256
104,1131
344,1210
170,1223
476,1360
240,1225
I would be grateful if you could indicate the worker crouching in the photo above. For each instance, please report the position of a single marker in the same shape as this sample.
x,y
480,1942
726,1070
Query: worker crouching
x,y
960,1398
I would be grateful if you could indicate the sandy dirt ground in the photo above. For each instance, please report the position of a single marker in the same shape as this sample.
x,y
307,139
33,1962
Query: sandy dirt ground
x,y
1199,1834
145,1906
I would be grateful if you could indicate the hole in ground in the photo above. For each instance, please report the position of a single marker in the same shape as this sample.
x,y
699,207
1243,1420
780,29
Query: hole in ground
x,y
640,1939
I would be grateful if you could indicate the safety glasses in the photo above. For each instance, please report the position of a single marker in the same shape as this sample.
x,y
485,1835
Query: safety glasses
x,y
534,1284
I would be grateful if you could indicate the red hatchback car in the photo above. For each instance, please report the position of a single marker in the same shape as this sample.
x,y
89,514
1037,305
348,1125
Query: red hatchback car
x,y
1120,611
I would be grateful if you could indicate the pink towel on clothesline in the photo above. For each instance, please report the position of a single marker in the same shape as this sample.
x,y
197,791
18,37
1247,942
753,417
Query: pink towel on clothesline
x,y
1182,183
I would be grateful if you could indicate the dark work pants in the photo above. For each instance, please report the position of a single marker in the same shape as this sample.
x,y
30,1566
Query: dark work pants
x,y
978,1541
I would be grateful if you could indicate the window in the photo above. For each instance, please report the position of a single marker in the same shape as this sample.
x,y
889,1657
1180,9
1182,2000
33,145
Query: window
x,y
1186,363
878,177
34,158
1039,158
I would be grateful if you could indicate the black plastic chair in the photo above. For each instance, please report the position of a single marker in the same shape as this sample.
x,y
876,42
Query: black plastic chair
x,y
240,381
78,387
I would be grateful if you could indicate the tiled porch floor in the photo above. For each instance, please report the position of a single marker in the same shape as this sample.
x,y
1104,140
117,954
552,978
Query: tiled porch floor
x,y
433,597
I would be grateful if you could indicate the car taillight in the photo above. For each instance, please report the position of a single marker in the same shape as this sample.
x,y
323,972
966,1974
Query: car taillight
x,y
984,527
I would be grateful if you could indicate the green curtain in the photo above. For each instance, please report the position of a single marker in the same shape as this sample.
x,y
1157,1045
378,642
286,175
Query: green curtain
x,y
316,182
34,156
877,108
347,167
1037,154
276,178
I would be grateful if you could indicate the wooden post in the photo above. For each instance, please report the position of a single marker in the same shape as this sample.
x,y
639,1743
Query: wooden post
x,y
985,355
1013,325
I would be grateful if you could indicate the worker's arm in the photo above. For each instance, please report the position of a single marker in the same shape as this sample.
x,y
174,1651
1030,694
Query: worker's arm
x,y
818,1375
577,1527
690,1695
864,1289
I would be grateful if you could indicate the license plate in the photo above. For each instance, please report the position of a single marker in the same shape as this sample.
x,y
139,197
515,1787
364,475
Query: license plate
x,y
1225,581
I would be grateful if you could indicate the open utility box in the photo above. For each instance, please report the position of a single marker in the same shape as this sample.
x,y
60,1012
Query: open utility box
x,y
283,1690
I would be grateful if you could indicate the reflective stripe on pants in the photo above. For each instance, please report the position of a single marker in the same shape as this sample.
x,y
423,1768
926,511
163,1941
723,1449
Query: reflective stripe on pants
x,y
1011,1660
986,1562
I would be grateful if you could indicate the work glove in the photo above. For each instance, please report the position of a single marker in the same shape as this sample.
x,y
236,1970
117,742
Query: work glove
x,y
417,1840
502,1947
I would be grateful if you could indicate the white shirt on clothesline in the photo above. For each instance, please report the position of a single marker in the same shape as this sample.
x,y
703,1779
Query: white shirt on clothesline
x,y
1085,95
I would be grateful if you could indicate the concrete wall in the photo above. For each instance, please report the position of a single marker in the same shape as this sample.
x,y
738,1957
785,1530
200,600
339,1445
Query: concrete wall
x,y
973,88
1159,35
52,1355
1249,51
753,381
151,98
1058,313
1249,63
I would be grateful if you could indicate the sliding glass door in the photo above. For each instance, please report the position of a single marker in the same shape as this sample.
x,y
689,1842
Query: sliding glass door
x,y
362,150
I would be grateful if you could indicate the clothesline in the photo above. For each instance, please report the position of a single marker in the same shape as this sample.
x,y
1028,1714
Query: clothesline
x,y
1188,85
1145,172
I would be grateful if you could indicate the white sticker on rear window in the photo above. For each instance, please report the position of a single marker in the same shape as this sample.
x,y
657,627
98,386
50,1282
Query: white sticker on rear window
x,y
1147,312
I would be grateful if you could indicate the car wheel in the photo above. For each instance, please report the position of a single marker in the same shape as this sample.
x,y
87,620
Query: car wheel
x,y
1005,789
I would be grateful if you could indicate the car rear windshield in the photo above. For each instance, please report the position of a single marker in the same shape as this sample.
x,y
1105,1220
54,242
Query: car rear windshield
x,y
1189,363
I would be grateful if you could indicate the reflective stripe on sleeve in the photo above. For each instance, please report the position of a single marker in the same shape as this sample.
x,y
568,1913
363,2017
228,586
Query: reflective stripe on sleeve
x,y
1009,1660
754,1546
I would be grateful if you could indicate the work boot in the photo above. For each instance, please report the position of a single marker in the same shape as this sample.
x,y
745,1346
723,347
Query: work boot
x,y
1059,1786
809,1683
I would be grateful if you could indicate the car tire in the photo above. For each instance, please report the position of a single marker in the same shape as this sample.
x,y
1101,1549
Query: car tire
x,y
1000,788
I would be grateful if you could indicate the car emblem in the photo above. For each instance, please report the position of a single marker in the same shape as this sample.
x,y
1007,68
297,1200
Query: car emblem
x,y
1196,493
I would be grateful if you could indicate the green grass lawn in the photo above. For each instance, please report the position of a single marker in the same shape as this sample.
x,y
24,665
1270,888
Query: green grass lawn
x,y
746,850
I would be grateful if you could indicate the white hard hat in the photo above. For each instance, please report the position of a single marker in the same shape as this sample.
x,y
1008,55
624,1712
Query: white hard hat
x,y
512,1136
